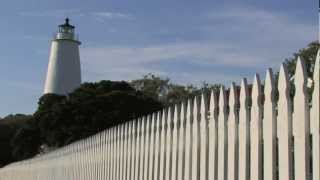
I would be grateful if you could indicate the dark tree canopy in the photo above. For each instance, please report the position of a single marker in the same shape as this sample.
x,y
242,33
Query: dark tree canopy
x,y
8,127
308,54
88,110
26,141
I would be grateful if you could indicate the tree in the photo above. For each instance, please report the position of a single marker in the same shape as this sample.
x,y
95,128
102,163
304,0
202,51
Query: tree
x,y
9,125
88,110
26,142
308,54
169,93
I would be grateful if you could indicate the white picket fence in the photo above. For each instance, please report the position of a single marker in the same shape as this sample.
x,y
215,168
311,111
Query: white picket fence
x,y
235,135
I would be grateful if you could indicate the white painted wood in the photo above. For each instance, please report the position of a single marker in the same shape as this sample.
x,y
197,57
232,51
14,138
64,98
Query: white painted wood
x,y
181,142
94,156
152,146
163,146
105,155
175,135
101,155
157,147
244,132
222,136
97,156
269,128
256,131
168,149
125,151
233,119
112,153
195,141
108,155
138,150
213,138
133,150
147,148
121,151
78,161
188,146
142,148
116,153
113,156
284,126
101,159
203,138
301,124
315,119
129,150
90,160
86,157
83,159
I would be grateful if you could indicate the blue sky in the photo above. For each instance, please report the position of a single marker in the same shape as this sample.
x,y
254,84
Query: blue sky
x,y
217,41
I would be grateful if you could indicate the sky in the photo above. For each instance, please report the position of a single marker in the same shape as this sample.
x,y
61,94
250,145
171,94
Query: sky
x,y
217,41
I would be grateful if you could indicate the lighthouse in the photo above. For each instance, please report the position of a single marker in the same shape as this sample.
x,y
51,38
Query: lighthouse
x,y
64,71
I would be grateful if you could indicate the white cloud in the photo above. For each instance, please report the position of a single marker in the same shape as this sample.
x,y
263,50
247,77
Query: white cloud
x,y
264,25
202,53
112,15
269,39
125,63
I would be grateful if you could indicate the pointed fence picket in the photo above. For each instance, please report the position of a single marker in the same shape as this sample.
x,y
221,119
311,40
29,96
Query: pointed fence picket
x,y
163,144
222,136
188,145
301,124
256,131
244,132
195,141
315,119
249,132
203,138
152,147
157,147
213,137
175,135
269,128
232,170
181,142
168,149
284,127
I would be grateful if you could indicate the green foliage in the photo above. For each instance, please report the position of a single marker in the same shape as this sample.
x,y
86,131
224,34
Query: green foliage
x,y
26,141
8,127
88,110
308,54
169,93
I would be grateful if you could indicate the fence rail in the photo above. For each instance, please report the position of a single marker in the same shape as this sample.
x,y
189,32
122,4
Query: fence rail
x,y
245,133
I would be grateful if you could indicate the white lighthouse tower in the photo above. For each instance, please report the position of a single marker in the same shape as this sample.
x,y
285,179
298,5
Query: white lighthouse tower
x,y
64,71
